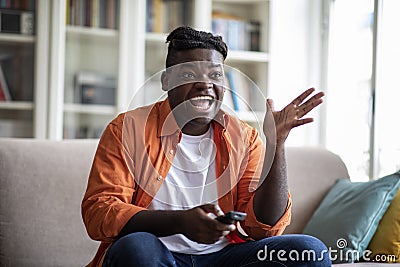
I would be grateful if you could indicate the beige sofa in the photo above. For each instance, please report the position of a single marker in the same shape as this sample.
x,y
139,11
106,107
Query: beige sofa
x,y
42,184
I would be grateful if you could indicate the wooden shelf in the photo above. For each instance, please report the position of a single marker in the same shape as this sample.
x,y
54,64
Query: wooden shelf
x,y
16,105
84,33
90,109
233,55
247,56
156,37
17,38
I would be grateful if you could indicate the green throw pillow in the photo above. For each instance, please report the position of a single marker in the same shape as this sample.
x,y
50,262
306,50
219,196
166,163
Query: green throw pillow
x,y
349,215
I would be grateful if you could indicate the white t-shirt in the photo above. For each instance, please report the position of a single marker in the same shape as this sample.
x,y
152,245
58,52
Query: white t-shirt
x,y
190,182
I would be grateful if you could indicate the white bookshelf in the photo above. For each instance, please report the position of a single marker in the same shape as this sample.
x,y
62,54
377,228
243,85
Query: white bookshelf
x,y
26,114
103,51
128,53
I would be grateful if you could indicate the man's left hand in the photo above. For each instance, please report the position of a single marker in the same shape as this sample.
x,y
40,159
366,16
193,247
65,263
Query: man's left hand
x,y
292,115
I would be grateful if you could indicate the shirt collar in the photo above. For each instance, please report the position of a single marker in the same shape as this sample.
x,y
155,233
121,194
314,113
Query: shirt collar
x,y
168,125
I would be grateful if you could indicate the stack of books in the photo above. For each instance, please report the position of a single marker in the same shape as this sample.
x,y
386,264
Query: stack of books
x,y
4,90
163,16
238,33
93,13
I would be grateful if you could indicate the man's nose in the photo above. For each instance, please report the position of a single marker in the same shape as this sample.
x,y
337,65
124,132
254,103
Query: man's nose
x,y
203,85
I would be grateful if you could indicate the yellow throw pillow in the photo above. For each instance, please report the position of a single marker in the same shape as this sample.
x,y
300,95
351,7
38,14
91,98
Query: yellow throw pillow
x,y
385,244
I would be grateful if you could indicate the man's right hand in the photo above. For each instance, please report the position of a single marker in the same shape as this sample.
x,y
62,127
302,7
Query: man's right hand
x,y
196,223
198,226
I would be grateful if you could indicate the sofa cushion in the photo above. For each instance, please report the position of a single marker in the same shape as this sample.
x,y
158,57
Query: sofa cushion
x,y
349,215
312,171
386,240
41,188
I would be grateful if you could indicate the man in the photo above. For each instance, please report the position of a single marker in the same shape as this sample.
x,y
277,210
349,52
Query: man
x,y
162,173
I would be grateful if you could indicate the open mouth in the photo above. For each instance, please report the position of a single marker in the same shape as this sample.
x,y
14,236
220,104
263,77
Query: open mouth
x,y
202,102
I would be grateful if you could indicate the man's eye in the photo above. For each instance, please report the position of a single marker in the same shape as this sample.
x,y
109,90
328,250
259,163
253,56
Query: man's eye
x,y
188,75
216,75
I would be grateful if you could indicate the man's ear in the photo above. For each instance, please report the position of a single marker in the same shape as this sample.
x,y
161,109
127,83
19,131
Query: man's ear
x,y
164,81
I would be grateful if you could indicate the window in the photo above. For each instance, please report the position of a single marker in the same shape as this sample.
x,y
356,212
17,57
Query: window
x,y
362,98
388,90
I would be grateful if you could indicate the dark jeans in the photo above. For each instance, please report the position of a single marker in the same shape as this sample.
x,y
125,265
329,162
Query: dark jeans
x,y
144,249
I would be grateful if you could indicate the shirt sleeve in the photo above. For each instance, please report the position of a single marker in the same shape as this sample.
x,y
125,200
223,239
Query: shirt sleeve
x,y
106,206
250,176
258,230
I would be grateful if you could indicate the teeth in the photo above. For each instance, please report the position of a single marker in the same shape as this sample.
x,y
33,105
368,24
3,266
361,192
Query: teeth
x,y
201,102
202,98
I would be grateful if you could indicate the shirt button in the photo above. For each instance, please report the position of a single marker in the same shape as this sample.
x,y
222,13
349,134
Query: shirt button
x,y
171,152
159,178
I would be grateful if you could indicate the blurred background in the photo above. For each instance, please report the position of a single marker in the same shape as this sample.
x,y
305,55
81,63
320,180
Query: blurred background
x,y
68,67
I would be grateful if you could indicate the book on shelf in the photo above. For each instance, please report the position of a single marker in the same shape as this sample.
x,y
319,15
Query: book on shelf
x,y
227,102
94,88
27,5
18,70
238,33
92,13
239,88
164,15
4,90
254,35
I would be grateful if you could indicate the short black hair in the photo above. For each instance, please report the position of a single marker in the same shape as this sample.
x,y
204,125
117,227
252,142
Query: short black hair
x,y
185,38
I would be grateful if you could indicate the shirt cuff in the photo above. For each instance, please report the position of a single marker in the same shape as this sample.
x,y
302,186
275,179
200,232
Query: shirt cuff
x,y
257,229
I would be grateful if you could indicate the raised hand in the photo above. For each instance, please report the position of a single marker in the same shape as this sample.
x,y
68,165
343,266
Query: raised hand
x,y
292,115
200,227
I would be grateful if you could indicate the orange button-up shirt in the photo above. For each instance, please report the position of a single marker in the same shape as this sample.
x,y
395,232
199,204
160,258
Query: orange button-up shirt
x,y
135,154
